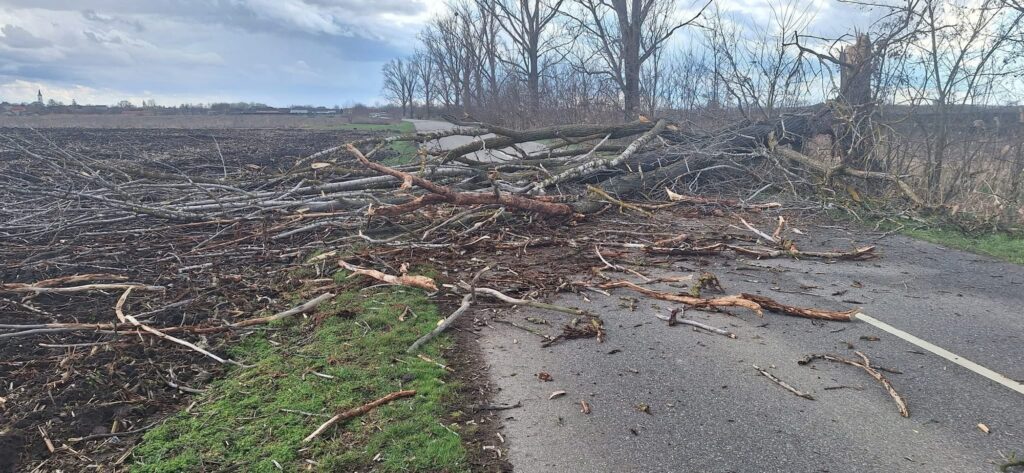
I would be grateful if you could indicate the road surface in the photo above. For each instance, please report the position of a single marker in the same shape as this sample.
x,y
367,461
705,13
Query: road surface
x,y
450,142
709,410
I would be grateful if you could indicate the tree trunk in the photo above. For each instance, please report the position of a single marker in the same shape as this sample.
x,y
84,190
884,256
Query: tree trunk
x,y
629,25
855,137
631,87
533,79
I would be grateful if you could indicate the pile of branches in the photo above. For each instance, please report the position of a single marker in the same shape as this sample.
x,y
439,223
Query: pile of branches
x,y
197,226
48,191
191,215
193,230
181,254
195,223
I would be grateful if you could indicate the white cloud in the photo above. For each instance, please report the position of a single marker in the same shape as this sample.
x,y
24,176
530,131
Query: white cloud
x,y
297,14
18,37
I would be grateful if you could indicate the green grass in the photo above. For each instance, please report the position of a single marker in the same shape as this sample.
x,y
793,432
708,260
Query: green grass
x,y
239,424
406,150
398,127
999,245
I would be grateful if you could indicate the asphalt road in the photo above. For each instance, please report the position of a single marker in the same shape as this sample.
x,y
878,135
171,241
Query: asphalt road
x,y
710,411
450,142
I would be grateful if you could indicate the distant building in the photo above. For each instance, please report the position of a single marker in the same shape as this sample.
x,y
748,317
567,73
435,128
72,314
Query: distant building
x,y
39,97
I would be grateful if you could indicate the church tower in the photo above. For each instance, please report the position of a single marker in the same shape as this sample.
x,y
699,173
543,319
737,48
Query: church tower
x,y
39,97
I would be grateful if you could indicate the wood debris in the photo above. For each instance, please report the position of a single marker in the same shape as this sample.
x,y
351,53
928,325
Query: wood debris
x,y
198,252
358,411
783,384
674,319
421,282
864,364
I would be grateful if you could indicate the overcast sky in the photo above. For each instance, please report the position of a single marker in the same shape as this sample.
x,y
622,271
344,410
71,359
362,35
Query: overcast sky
x,y
280,52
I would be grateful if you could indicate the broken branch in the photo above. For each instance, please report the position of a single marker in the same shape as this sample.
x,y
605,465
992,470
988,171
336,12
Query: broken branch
x,y
421,282
782,383
357,411
865,365
467,300
466,198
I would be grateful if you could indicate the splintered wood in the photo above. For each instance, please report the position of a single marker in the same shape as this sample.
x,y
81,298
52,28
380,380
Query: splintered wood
x,y
421,282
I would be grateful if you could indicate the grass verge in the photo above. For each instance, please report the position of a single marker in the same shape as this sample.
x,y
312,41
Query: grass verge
x,y
398,127
404,151
998,245
255,419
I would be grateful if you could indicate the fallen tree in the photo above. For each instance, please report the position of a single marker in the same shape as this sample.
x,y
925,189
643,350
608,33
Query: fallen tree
x,y
210,251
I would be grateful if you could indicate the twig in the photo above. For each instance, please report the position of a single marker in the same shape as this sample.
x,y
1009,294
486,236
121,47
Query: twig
x,y
431,360
112,434
694,323
119,310
782,383
697,302
864,252
46,439
309,414
358,411
86,287
865,365
622,204
526,329
757,232
540,305
441,327
305,307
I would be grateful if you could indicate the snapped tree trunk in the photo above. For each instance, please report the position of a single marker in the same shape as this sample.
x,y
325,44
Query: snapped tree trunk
x,y
854,138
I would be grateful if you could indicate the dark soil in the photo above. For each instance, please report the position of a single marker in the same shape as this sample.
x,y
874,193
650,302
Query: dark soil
x,y
93,394
475,395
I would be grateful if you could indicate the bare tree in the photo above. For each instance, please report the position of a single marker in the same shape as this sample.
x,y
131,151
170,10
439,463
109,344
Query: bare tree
x,y
425,70
624,34
756,66
526,24
958,55
400,81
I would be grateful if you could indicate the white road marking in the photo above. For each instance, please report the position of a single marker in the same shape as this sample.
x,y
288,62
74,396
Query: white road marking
x,y
1014,385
